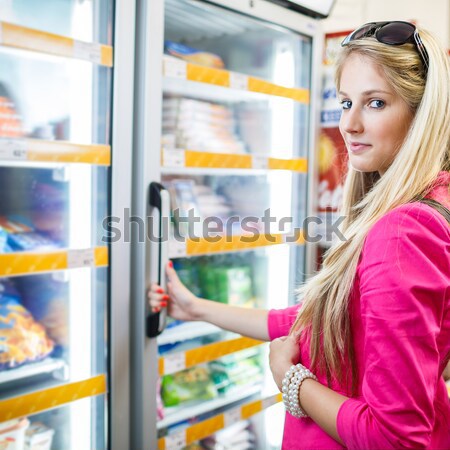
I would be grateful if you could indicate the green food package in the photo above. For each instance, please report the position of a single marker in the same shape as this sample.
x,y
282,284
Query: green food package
x,y
234,285
207,279
190,384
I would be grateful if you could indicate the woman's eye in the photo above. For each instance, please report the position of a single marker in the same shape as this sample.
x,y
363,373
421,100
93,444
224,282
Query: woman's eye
x,y
377,104
346,104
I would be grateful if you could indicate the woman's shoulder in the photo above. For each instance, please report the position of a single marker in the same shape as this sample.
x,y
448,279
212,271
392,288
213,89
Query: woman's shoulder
x,y
411,219
408,233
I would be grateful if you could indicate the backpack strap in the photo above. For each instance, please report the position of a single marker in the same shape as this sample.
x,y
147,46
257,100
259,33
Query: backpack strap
x,y
438,207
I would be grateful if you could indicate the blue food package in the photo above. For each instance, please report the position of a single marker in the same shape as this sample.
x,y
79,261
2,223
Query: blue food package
x,y
3,240
30,241
193,55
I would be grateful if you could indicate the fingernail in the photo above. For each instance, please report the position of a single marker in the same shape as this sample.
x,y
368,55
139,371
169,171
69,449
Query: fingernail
x,y
165,297
163,304
156,309
170,264
160,291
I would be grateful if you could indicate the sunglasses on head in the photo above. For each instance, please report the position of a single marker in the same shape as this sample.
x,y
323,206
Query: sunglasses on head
x,y
391,33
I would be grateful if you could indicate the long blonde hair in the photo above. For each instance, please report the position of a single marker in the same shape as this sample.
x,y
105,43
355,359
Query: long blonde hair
x,y
368,197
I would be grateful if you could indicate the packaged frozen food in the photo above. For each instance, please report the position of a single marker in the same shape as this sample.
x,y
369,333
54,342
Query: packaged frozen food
x,y
243,368
30,241
15,224
10,120
12,434
3,240
187,385
22,339
201,126
237,436
20,235
38,437
49,209
193,55
225,284
46,297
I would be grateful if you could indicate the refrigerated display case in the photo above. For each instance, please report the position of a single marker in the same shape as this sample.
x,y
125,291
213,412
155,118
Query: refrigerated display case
x,y
56,352
227,98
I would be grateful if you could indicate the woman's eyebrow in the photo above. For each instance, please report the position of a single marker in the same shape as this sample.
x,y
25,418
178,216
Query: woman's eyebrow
x,y
367,93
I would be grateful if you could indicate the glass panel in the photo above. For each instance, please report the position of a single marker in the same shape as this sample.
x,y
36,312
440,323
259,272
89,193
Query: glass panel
x,y
71,427
210,119
276,127
44,209
54,325
50,98
79,19
237,43
53,329
229,201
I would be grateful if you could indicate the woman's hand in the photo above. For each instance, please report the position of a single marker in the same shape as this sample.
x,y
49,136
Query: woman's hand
x,y
179,300
284,352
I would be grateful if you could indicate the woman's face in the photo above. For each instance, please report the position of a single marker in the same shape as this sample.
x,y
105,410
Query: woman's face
x,y
375,120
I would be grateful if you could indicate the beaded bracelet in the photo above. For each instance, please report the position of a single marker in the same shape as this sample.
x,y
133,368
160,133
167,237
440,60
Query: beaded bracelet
x,y
291,386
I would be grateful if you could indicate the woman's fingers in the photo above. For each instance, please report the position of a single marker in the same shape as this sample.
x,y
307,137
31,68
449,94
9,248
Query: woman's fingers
x,y
171,272
157,298
156,288
158,302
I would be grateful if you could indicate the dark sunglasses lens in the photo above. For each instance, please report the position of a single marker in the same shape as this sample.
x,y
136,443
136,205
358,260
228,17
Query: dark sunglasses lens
x,y
396,33
357,34
361,32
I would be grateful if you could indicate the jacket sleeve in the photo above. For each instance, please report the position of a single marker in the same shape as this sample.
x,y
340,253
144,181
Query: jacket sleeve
x,y
404,287
280,321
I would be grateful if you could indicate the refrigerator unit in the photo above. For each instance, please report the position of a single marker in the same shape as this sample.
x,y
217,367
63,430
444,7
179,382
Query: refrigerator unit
x,y
117,121
63,315
226,113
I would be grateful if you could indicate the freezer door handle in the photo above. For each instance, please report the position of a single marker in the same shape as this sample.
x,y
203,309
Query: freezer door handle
x,y
159,200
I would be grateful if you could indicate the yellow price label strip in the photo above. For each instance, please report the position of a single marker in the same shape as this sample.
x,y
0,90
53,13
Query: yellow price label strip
x,y
25,263
177,68
232,243
209,160
39,401
17,36
183,360
67,152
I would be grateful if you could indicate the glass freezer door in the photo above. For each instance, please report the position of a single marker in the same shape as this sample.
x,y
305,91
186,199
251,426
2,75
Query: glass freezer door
x,y
55,103
231,139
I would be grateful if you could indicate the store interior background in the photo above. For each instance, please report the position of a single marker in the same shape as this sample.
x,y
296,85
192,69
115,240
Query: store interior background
x,y
432,14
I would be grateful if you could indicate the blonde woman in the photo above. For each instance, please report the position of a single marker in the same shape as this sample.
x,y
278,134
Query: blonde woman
x,y
360,359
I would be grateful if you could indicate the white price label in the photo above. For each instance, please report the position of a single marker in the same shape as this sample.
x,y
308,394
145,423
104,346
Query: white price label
x,y
91,51
177,249
175,68
175,441
173,157
260,162
13,149
268,402
174,363
232,416
238,81
80,258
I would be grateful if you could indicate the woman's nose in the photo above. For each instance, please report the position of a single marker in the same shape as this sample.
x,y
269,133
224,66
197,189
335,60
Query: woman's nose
x,y
351,121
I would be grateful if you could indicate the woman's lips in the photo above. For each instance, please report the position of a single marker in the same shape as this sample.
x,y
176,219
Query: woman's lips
x,y
358,147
